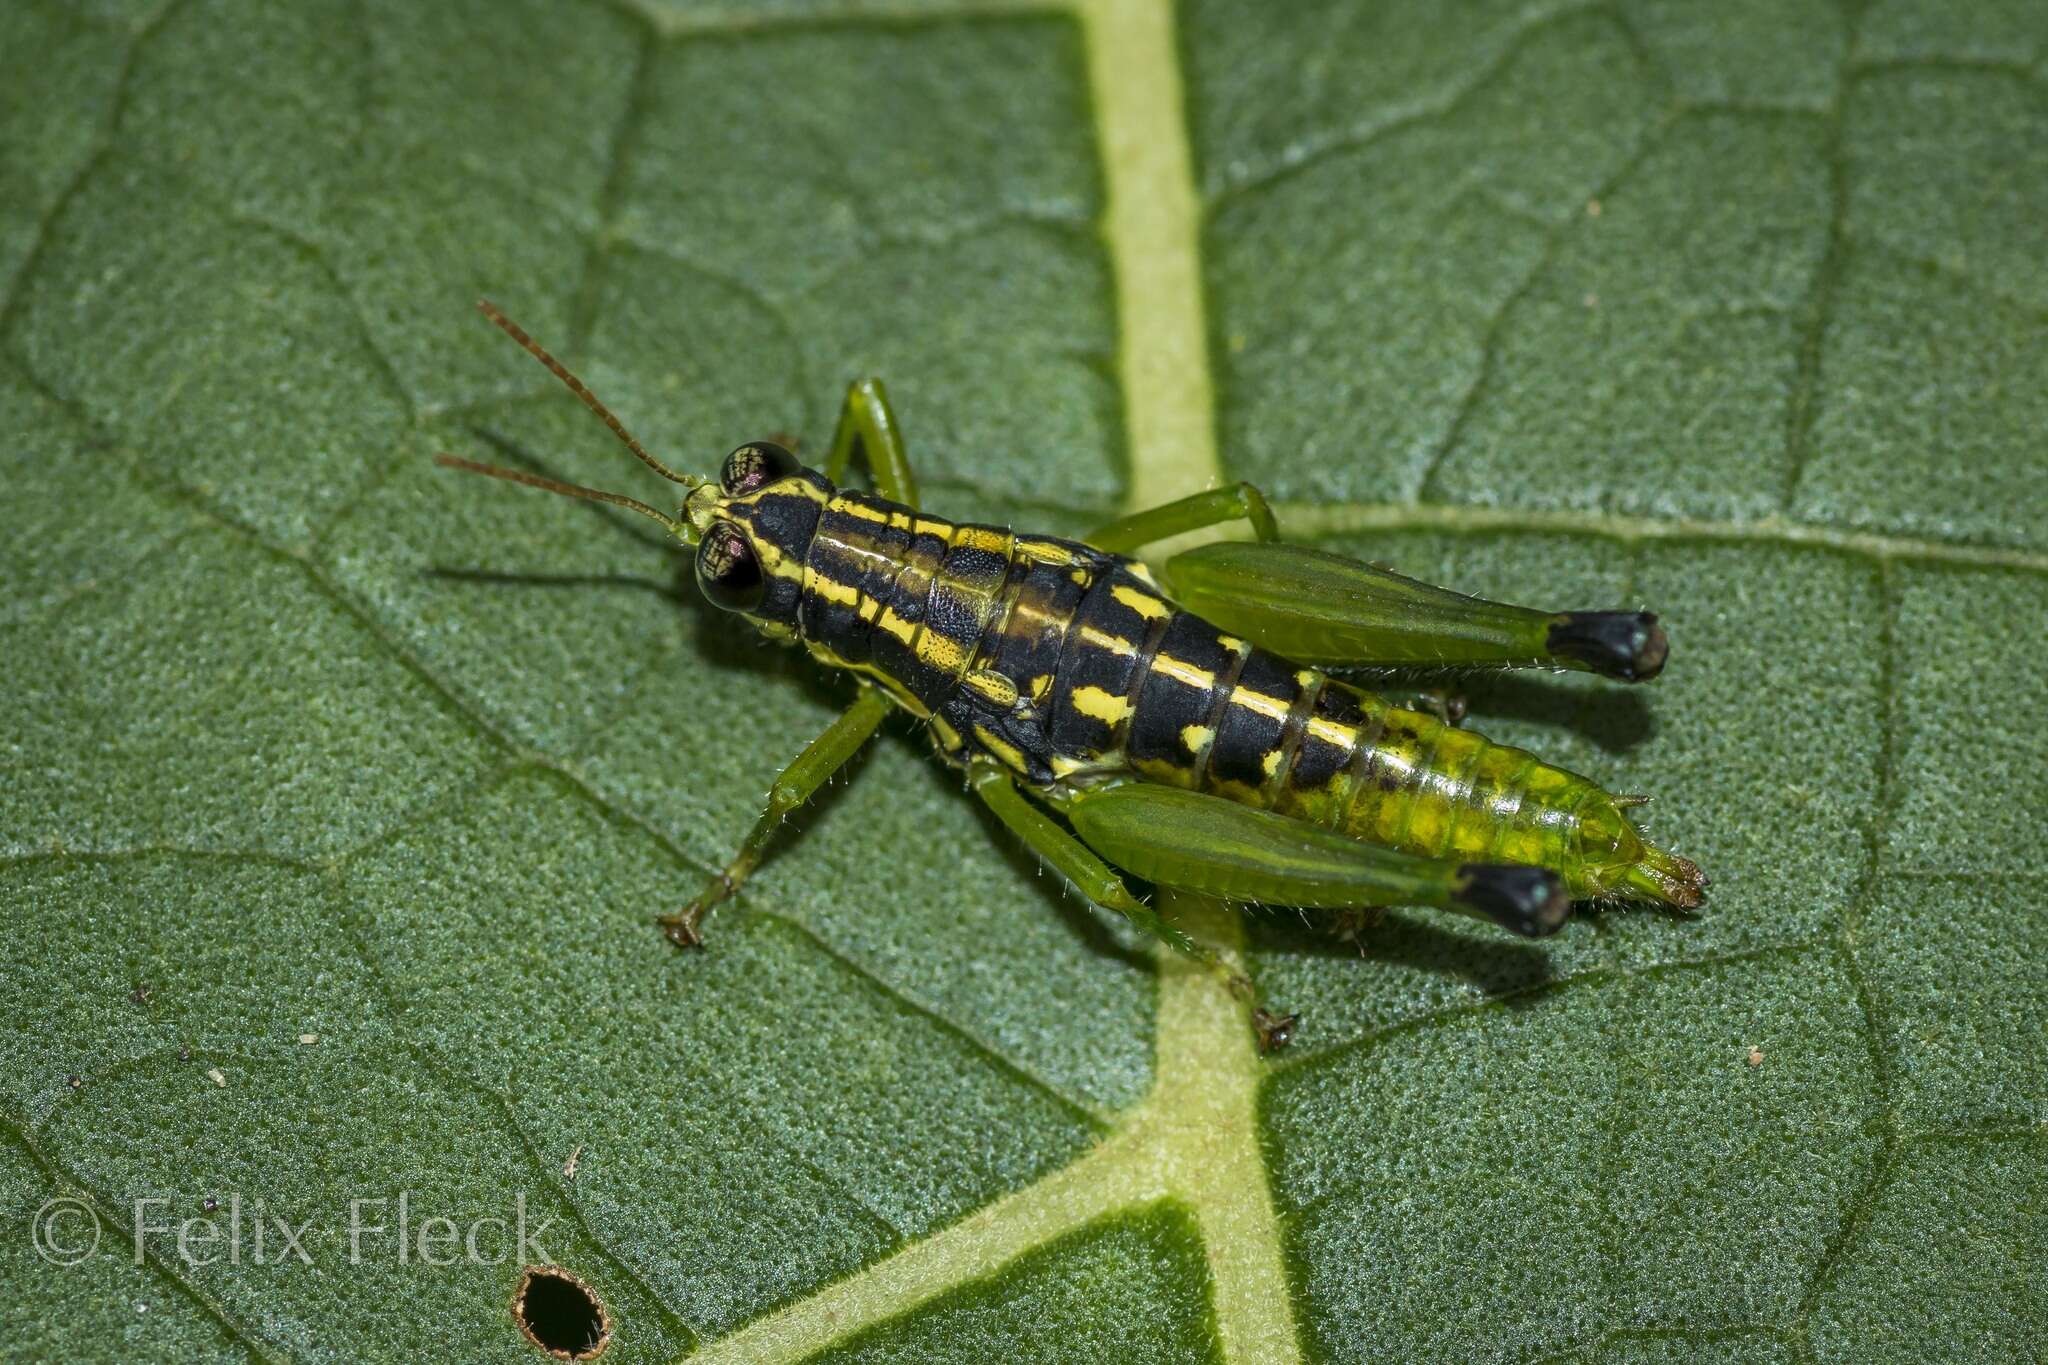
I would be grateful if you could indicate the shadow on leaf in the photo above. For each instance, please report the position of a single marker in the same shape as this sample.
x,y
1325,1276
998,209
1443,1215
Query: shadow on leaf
x,y
1490,962
1614,717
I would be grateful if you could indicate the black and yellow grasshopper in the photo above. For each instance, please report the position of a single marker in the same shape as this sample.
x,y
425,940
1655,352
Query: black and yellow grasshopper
x,y
1174,723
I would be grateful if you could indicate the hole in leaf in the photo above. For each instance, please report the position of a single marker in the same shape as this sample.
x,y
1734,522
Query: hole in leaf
x,y
561,1314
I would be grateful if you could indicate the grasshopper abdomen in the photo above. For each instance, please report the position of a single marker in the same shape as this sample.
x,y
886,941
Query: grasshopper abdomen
x,y
1147,690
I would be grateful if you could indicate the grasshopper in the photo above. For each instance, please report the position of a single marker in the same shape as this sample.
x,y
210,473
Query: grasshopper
x,y
1175,723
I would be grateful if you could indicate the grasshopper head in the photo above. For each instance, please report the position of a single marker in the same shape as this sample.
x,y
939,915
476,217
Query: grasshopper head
x,y
753,529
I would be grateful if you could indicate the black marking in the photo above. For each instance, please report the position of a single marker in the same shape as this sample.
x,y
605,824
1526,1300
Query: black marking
x,y
1529,901
1321,759
963,601
1118,617
1317,763
1293,734
1088,663
1026,642
842,580
1337,703
1628,645
1250,730
905,609
1219,702
1170,699
785,518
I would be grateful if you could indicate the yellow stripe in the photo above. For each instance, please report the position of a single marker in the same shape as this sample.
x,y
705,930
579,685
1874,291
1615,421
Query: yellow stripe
x,y
982,538
896,625
832,590
1007,752
1183,672
1094,701
1028,614
1196,737
1147,606
993,685
861,510
1260,702
1116,644
1333,732
1045,552
941,652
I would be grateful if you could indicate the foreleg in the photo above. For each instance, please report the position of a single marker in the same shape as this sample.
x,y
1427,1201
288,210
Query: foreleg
x,y
810,770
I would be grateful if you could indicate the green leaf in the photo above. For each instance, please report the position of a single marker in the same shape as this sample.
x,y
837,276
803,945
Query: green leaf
x,y
341,793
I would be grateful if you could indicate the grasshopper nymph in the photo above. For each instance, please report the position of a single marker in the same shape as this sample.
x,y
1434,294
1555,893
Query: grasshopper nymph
x,y
1173,722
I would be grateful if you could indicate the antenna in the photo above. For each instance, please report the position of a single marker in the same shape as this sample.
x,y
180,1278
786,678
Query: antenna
x,y
576,386
567,490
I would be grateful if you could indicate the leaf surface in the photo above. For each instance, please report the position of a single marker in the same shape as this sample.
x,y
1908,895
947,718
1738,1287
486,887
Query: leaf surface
x,y
341,793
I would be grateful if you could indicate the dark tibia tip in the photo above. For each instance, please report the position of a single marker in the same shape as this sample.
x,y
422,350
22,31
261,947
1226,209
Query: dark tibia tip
x,y
1529,901
1275,1030
1628,645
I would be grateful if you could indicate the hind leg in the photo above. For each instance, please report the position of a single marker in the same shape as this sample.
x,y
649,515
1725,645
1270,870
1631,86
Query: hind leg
x,y
1216,847
1071,859
1333,611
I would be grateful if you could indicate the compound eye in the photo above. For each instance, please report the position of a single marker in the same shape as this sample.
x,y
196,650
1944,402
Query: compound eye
x,y
756,465
727,571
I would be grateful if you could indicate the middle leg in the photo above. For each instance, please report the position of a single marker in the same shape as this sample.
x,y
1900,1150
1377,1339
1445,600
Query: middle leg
x,y
867,419
1099,882
1237,501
